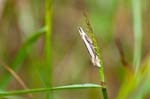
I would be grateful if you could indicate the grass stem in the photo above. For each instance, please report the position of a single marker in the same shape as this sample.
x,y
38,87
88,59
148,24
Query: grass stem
x,y
48,47
101,69
102,77
137,23
38,90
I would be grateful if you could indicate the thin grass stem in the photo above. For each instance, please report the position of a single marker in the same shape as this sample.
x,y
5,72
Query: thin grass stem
x,y
101,69
137,24
48,47
38,90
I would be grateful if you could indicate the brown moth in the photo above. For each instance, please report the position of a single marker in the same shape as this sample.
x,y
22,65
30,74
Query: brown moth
x,y
90,47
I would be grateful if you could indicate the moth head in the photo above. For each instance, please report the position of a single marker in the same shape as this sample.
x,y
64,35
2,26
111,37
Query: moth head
x,y
81,31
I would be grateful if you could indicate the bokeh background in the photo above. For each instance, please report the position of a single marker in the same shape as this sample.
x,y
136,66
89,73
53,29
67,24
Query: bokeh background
x,y
110,19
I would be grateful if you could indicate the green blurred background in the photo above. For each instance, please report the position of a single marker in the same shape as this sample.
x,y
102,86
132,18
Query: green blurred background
x,y
110,19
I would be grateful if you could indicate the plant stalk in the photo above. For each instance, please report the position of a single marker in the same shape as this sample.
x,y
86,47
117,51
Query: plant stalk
x,y
48,46
102,77
101,69
137,24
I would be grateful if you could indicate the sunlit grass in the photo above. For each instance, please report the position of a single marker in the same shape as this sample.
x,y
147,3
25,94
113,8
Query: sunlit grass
x,y
38,90
21,55
133,84
137,24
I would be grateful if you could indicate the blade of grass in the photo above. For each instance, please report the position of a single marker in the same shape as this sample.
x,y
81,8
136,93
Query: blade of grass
x,y
11,97
140,82
137,23
16,76
48,48
132,82
67,87
101,69
145,74
21,56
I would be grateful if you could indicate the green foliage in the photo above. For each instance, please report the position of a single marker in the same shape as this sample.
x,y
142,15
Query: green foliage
x,y
67,87
139,81
104,15
23,52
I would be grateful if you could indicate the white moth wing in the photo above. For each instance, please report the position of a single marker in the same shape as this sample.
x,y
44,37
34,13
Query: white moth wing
x,y
90,47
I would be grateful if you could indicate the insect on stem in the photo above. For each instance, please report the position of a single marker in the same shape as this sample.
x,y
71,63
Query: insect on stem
x,y
90,47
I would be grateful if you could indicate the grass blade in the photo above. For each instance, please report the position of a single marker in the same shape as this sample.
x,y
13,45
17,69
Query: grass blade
x,y
21,56
47,71
101,69
67,87
137,23
140,82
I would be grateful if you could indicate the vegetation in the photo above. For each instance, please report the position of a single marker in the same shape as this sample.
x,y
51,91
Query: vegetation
x,y
42,55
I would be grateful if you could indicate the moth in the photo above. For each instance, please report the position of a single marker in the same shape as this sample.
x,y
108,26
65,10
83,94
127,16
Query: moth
x,y
90,47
